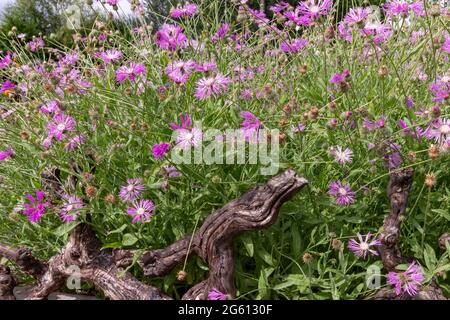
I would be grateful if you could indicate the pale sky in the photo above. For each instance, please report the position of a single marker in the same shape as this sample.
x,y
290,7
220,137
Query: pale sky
x,y
124,5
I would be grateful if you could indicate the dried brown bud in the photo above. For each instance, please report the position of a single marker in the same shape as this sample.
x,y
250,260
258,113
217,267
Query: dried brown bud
x,y
181,275
91,191
433,151
336,244
110,198
430,180
24,135
304,68
283,122
383,71
412,156
307,257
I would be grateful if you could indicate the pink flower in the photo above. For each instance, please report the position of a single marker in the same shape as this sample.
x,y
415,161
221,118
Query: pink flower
x,y
171,37
211,86
133,190
160,150
342,193
112,2
70,209
36,208
340,77
215,294
50,107
362,248
221,32
130,72
369,125
439,130
7,87
141,210
60,124
356,15
185,122
109,56
187,11
180,71
397,8
294,46
250,126
74,142
187,138
315,8
408,282
6,154
5,61
341,156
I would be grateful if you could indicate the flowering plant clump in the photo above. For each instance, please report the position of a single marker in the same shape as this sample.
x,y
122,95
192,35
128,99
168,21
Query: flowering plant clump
x,y
349,98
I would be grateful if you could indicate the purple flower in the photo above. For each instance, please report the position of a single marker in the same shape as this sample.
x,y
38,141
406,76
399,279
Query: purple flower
x,y
130,72
74,142
397,8
297,17
211,86
180,71
356,15
160,150
315,8
294,46
133,190
171,171
341,156
187,11
340,77
362,248
5,61
141,210
50,107
60,124
221,32
277,8
6,154
408,282
215,294
171,37
7,87
342,193
185,122
109,56
36,208
70,208
112,2
439,130
369,125
36,44
446,45
250,126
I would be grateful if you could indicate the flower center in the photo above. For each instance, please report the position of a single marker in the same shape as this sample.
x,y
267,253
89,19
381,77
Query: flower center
x,y
364,246
315,9
342,191
445,129
61,127
189,136
209,82
130,188
69,207
140,211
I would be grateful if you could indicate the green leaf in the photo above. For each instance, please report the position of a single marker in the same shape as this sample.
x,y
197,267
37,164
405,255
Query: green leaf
x,y
65,228
119,230
248,244
129,239
265,256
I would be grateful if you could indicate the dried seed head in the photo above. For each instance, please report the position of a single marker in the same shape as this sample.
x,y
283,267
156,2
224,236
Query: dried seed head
x,y
181,275
91,191
412,155
110,198
433,151
304,68
336,244
383,71
332,105
24,135
307,257
430,180
283,122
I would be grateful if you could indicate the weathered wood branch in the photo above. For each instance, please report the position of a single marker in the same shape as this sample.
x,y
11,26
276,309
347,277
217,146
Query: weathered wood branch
x,y
7,284
398,192
213,242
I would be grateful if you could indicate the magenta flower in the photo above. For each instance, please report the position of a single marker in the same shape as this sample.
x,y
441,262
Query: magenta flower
x,y
171,37
211,86
36,208
186,11
60,124
185,120
5,61
293,46
141,211
343,194
160,150
369,125
130,72
74,142
397,8
439,130
50,107
133,190
341,156
6,154
408,282
112,2
36,44
362,248
215,294
7,87
109,56
180,71
315,8
446,46
221,32
70,208
356,15
171,171
250,126
340,77
298,17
